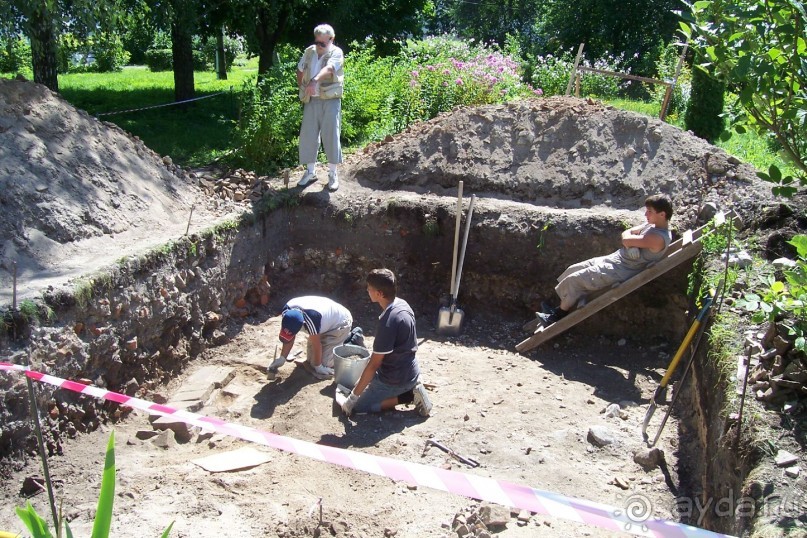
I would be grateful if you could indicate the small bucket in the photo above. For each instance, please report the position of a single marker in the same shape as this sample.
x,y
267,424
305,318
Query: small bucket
x,y
349,362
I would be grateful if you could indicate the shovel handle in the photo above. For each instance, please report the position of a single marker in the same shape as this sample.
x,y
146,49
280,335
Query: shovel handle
x,y
693,329
464,245
456,241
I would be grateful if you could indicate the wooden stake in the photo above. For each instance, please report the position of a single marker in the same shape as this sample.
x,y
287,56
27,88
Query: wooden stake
x,y
574,69
188,227
671,88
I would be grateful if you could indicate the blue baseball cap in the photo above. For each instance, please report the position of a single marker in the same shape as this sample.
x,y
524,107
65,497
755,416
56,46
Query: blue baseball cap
x,y
291,324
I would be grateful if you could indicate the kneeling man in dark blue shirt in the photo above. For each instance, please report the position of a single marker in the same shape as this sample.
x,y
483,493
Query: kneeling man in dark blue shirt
x,y
392,376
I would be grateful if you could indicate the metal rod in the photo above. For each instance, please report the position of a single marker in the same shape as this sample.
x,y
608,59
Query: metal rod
x,y
726,265
41,442
742,400
188,227
14,286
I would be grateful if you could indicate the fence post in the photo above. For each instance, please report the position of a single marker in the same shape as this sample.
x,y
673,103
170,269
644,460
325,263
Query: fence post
x,y
671,88
574,69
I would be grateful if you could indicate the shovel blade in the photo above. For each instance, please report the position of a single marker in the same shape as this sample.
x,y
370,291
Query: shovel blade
x,y
647,416
449,321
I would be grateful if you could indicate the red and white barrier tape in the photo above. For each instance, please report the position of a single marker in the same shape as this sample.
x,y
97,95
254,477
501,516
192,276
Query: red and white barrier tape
x,y
467,485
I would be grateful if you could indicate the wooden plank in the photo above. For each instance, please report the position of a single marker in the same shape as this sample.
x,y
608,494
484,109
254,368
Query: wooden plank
x,y
623,75
678,252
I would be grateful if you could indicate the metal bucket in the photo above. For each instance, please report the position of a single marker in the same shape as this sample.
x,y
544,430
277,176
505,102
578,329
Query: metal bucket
x,y
349,362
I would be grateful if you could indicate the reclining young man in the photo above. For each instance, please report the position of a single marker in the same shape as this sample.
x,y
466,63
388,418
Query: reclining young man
x,y
641,246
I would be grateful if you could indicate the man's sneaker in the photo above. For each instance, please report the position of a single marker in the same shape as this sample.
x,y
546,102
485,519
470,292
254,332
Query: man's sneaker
x,y
333,181
422,402
322,372
307,179
549,319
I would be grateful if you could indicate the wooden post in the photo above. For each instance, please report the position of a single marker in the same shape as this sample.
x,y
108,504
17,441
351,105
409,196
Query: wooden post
x,y
671,88
665,102
574,69
577,85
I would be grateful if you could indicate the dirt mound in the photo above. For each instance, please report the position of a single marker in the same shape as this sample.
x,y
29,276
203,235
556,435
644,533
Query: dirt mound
x,y
558,152
67,178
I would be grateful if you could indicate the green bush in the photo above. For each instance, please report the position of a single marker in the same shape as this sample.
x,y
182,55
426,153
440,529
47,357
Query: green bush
x,y
159,59
102,52
110,54
138,36
233,47
551,73
268,129
163,60
706,100
366,111
15,54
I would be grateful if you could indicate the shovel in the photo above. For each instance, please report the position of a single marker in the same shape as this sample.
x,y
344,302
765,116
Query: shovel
x,y
450,319
444,315
693,336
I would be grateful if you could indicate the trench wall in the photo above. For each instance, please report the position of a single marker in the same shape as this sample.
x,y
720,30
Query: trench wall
x,y
135,325
712,465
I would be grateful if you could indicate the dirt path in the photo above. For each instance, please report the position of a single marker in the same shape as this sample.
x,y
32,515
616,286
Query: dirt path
x,y
525,419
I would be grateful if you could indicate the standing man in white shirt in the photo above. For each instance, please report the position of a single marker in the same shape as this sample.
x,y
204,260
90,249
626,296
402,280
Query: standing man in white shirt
x,y
321,78
327,324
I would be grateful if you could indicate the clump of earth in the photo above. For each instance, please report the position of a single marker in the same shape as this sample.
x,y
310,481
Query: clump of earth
x,y
76,193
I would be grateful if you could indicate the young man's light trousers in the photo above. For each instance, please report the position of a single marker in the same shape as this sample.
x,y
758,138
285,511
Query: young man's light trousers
x,y
322,119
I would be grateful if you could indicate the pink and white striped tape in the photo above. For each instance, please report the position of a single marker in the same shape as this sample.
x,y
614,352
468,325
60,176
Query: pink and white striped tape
x,y
468,485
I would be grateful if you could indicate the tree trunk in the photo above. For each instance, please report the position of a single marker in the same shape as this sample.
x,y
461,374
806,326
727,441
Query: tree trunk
x,y
269,31
221,60
182,52
43,47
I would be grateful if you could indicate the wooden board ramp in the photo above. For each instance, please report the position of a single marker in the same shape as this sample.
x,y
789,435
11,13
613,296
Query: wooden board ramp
x,y
678,252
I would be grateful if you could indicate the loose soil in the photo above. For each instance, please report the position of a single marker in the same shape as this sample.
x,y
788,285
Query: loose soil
x,y
77,193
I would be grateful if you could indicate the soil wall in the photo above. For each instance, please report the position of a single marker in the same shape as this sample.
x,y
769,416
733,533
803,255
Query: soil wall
x,y
712,467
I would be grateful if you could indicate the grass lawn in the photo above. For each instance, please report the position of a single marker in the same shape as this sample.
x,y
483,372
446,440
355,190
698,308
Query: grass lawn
x,y
192,134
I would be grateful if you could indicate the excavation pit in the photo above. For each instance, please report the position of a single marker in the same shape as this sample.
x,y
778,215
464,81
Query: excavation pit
x,y
154,323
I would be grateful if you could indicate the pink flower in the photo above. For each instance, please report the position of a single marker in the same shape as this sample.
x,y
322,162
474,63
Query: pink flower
x,y
445,83
430,67
539,91
458,82
415,74
446,72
